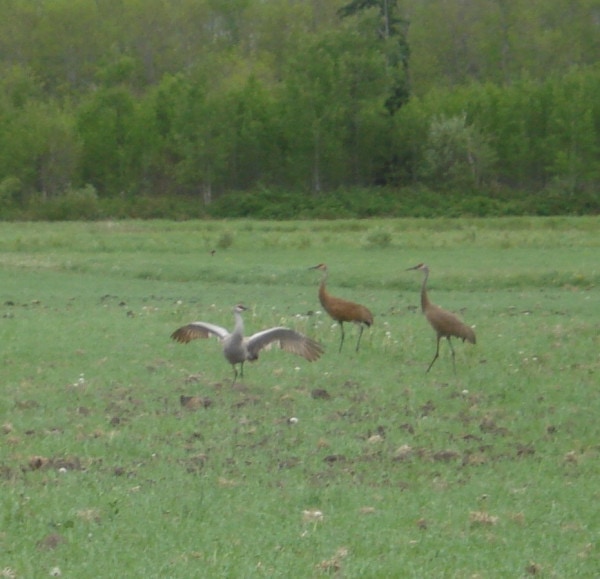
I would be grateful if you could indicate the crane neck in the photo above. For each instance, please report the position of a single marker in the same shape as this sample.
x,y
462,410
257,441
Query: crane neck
x,y
238,328
323,283
424,297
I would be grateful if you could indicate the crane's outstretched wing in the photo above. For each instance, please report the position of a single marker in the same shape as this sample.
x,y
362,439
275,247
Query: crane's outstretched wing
x,y
195,330
289,340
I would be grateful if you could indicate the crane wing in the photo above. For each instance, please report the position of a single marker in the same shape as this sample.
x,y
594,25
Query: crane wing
x,y
447,324
196,330
346,311
289,340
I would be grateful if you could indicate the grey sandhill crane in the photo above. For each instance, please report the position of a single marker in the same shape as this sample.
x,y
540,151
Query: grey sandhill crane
x,y
342,310
445,323
237,348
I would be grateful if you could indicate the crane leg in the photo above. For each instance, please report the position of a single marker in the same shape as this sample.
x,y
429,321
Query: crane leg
x,y
342,340
359,336
452,350
437,353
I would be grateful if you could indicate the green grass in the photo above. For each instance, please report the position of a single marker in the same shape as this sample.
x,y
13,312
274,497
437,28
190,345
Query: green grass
x,y
491,472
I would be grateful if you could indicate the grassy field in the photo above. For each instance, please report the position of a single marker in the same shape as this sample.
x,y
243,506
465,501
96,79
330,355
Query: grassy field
x,y
125,454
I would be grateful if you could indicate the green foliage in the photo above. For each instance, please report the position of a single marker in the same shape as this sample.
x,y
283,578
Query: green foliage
x,y
10,191
105,124
393,31
200,100
225,240
266,204
416,201
378,239
73,205
456,155
19,86
40,147
460,42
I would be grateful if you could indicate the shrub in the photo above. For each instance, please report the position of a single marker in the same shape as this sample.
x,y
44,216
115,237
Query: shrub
x,y
74,205
225,240
378,238
10,190
457,154
479,206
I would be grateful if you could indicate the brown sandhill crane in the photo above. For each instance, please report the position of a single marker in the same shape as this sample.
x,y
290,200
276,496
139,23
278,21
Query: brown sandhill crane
x,y
237,348
342,310
445,323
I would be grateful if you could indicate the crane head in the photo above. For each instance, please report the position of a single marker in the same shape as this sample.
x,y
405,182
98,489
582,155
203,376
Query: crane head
x,y
419,266
239,308
320,267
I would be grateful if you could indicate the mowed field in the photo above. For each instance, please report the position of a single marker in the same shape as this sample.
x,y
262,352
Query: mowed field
x,y
126,454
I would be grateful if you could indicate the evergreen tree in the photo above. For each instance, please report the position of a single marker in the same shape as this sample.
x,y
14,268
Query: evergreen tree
x,y
392,30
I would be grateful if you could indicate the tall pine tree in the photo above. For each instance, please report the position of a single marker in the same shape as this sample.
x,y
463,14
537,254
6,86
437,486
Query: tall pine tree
x,y
392,30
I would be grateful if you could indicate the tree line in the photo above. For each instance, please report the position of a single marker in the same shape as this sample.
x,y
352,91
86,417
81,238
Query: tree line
x,y
209,100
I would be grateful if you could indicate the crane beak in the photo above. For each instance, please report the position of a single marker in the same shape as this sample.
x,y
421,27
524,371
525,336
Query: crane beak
x,y
418,266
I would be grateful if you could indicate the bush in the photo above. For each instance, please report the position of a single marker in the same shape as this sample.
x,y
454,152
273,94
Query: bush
x,y
457,154
77,204
225,240
479,206
414,201
378,239
11,189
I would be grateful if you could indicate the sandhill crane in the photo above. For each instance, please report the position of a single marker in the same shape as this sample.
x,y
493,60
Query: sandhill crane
x,y
237,348
342,310
445,324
